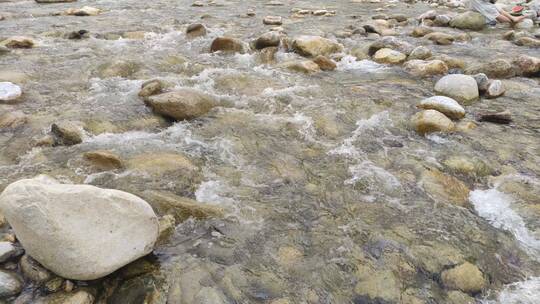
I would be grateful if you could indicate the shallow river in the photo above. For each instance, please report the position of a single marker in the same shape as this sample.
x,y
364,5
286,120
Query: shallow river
x,y
321,180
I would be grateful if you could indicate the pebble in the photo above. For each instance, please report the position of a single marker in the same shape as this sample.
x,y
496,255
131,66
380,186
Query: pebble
x,y
10,284
8,251
495,89
389,56
9,91
273,20
67,133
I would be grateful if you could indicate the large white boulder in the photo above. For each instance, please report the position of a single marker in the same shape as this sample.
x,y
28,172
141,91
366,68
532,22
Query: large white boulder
x,y
80,232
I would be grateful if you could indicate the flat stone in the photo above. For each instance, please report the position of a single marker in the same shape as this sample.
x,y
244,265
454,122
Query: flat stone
x,y
443,104
423,68
273,20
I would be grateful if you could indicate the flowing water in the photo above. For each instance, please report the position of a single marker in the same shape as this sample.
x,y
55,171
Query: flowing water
x,y
320,176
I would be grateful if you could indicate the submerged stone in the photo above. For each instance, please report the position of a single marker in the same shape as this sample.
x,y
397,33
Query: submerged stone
x,y
185,103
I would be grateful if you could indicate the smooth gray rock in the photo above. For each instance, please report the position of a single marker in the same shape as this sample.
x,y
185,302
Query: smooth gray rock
x,y
462,88
10,284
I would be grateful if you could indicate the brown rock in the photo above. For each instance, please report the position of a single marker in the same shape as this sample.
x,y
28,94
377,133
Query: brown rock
x,y
181,104
14,119
440,38
445,188
429,121
465,277
104,160
151,87
18,42
325,63
181,208
227,45
503,117
67,133
195,30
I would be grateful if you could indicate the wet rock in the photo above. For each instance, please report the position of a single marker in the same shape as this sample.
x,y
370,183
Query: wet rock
x,y
503,117
304,66
119,68
54,285
181,208
9,91
442,20
18,42
104,160
451,62
166,228
84,11
10,284
135,35
495,89
54,1
78,35
429,15
33,271
12,119
499,68
74,237
267,55
195,30
445,188
440,38
160,163
527,65
469,21
77,297
462,88
465,277
228,45
482,81
151,87
8,251
429,121
67,133
4,50
185,103
197,4
273,20
443,104
313,46
527,41
421,31
468,166
457,297
389,56
422,68
420,52
325,63
270,39
378,287
391,43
